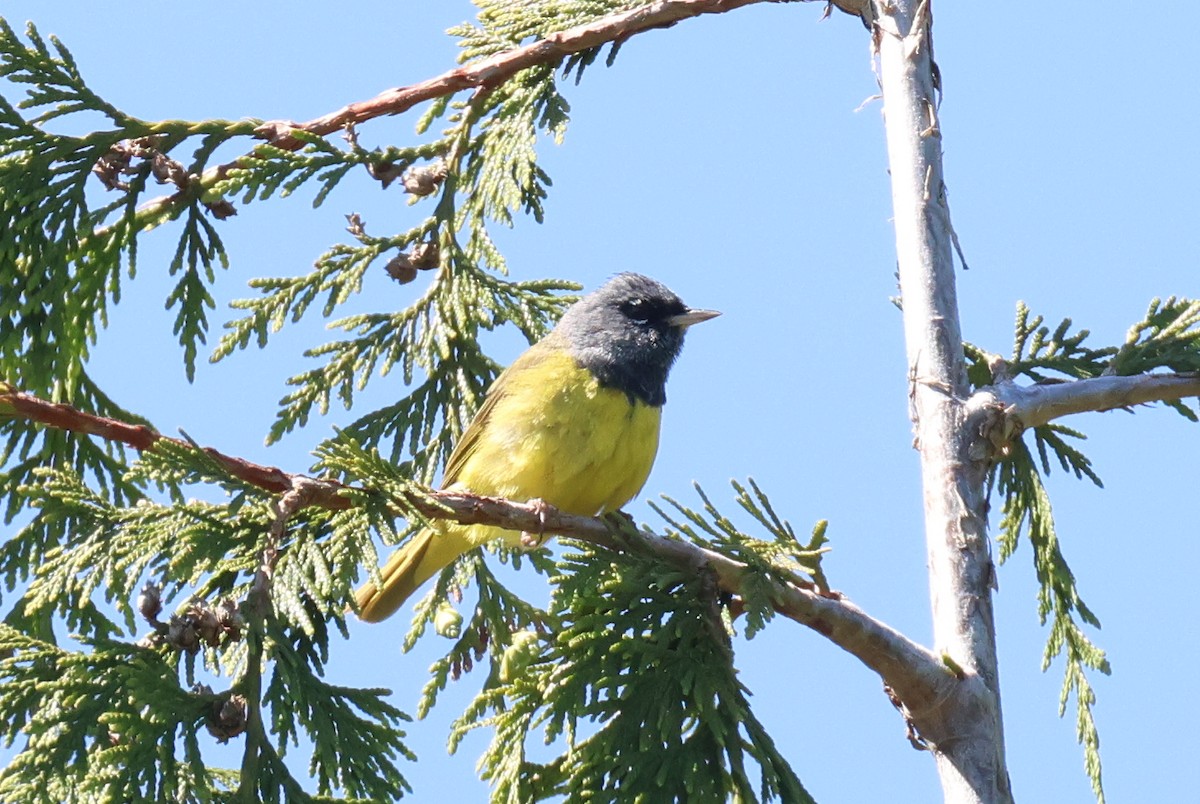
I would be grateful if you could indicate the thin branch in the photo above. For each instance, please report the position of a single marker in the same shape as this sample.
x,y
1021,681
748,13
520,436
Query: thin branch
x,y
138,436
916,674
259,611
1035,405
491,72
483,74
256,736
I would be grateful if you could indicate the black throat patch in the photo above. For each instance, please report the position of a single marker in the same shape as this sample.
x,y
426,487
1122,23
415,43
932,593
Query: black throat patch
x,y
638,381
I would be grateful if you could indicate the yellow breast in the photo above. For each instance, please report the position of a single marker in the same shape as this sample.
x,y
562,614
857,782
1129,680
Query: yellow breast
x,y
550,431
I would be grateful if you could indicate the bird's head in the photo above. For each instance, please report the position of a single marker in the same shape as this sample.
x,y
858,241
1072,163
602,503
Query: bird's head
x,y
628,333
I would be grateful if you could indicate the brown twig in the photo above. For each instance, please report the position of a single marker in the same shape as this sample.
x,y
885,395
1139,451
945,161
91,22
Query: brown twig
x,y
483,75
493,71
142,438
259,610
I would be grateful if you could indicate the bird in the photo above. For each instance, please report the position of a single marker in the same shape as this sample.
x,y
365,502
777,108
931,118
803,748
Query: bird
x,y
573,423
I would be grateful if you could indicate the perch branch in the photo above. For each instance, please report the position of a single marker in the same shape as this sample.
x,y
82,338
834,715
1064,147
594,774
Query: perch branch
x,y
917,675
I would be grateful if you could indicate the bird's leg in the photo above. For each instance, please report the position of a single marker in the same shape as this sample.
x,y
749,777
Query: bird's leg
x,y
532,541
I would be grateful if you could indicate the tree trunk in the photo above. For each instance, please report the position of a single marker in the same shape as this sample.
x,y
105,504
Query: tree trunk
x,y
966,733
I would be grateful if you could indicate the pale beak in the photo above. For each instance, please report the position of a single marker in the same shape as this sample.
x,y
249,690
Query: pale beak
x,y
685,320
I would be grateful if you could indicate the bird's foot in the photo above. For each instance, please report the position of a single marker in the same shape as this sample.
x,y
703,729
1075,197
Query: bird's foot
x,y
532,541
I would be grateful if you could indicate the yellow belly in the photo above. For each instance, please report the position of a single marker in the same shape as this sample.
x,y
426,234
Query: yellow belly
x,y
547,430
556,434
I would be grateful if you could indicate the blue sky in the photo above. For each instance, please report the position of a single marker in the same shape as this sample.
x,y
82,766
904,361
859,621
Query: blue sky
x,y
728,157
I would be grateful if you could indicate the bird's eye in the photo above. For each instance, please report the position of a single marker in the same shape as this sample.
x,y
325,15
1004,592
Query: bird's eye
x,y
637,310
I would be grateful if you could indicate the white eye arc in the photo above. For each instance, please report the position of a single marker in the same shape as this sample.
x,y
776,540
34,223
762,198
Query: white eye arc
x,y
637,310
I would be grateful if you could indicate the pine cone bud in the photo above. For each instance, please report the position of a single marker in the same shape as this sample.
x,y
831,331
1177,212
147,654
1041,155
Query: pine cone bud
x,y
231,619
401,269
425,179
207,624
425,256
181,634
227,718
149,602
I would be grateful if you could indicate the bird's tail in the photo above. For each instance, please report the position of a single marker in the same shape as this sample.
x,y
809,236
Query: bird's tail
x,y
417,561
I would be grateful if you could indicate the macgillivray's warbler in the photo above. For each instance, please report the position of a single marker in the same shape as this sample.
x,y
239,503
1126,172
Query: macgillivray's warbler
x,y
573,422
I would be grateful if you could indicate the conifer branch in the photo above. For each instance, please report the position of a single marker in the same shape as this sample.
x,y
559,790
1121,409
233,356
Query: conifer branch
x,y
918,676
482,75
142,438
256,735
1035,405
260,610
488,73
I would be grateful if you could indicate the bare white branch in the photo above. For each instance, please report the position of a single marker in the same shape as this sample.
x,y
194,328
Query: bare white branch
x,y
1035,405
967,734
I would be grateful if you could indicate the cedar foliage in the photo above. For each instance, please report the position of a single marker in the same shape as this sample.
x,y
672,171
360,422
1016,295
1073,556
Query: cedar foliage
x,y
126,600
